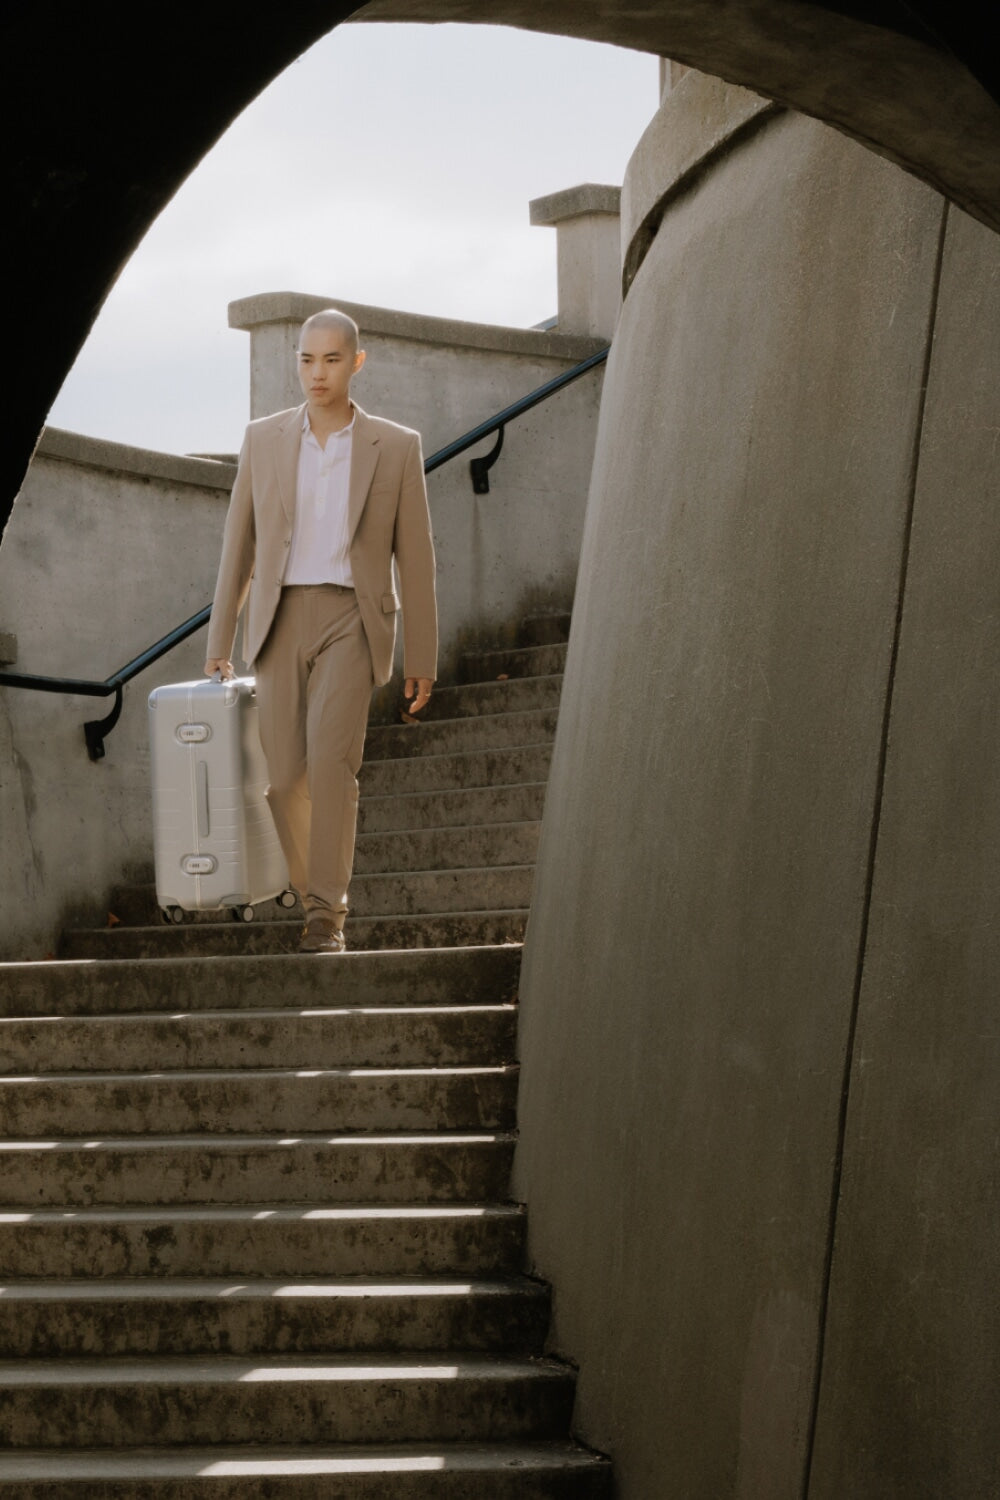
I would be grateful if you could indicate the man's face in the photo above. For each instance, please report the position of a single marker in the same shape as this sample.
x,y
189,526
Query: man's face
x,y
326,363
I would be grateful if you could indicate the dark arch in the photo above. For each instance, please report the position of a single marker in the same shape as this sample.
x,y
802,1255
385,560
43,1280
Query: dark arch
x,y
105,120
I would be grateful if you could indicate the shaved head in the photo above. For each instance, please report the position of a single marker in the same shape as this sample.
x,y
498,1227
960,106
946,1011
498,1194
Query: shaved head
x,y
332,317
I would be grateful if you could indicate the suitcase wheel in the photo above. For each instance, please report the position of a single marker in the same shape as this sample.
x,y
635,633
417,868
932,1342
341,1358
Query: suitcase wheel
x,y
243,913
287,899
173,914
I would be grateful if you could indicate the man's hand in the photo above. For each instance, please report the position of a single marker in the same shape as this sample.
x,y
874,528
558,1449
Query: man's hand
x,y
421,687
219,664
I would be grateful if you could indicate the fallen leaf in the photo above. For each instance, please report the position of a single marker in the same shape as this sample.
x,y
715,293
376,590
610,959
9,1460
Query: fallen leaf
x,y
114,921
503,677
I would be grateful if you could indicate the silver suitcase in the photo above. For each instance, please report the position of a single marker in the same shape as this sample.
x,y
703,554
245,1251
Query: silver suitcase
x,y
214,841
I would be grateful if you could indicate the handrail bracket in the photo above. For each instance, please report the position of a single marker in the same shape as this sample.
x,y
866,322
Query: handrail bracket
x,y
95,729
480,467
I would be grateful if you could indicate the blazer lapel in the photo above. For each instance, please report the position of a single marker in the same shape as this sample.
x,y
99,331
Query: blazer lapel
x,y
364,457
286,460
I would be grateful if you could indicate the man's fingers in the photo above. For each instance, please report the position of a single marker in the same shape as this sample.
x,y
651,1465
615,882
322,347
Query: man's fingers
x,y
221,665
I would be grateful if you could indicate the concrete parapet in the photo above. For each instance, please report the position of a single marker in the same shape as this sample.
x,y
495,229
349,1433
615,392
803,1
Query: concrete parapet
x,y
60,446
587,250
108,548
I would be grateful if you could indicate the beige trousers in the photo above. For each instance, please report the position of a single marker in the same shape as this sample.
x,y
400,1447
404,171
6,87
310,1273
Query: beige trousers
x,y
314,686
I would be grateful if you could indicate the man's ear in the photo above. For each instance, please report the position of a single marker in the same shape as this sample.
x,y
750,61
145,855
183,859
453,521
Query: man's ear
x,y
359,360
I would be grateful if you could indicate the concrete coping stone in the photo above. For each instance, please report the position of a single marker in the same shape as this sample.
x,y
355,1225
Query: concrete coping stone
x,y
701,118
60,446
249,313
575,203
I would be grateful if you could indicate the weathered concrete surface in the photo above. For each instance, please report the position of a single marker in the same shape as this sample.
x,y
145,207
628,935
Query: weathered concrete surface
x,y
908,1398
499,555
397,1471
678,143
586,221
299,1240
439,375
332,1398
108,548
371,979
245,1101
692,954
316,1037
56,1318
207,1170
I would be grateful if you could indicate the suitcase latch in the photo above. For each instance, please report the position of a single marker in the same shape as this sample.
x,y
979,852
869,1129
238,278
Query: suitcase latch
x,y
193,734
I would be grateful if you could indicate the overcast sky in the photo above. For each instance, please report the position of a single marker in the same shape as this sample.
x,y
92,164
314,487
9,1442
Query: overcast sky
x,y
389,165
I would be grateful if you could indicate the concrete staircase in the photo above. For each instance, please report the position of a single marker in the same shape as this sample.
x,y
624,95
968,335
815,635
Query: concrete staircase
x,y
255,1236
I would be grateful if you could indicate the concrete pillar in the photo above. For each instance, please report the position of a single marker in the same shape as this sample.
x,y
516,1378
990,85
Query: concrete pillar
x,y
588,250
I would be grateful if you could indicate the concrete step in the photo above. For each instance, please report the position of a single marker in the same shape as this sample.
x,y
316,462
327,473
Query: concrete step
x,y
356,1036
544,630
220,939
257,1101
83,1319
470,847
474,805
434,976
513,662
507,766
306,1398
499,888
315,1239
455,736
403,893
513,695
556,1470
231,1169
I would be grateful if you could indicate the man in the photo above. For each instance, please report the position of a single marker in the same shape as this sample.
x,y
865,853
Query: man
x,y
325,497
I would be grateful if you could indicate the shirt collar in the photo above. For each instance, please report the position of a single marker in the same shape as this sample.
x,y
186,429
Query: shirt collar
x,y
344,431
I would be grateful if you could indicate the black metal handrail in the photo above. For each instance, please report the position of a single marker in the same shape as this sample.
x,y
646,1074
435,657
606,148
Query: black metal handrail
x,y
96,730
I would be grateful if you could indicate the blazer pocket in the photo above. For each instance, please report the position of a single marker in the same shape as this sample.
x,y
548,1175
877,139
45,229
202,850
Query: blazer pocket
x,y
389,604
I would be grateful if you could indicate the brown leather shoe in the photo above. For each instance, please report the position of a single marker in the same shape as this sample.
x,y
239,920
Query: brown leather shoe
x,y
321,936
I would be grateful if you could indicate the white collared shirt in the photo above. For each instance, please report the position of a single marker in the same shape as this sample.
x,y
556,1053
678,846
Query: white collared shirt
x,y
320,536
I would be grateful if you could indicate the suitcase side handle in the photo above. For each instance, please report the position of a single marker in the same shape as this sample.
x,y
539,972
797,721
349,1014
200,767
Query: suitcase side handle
x,y
201,790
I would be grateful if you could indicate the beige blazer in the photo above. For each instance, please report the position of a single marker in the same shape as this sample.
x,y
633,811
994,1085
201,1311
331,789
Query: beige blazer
x,y
387,517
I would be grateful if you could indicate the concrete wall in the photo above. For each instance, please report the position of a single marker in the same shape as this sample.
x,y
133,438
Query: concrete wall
x,y
768,864
499,554
108,548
